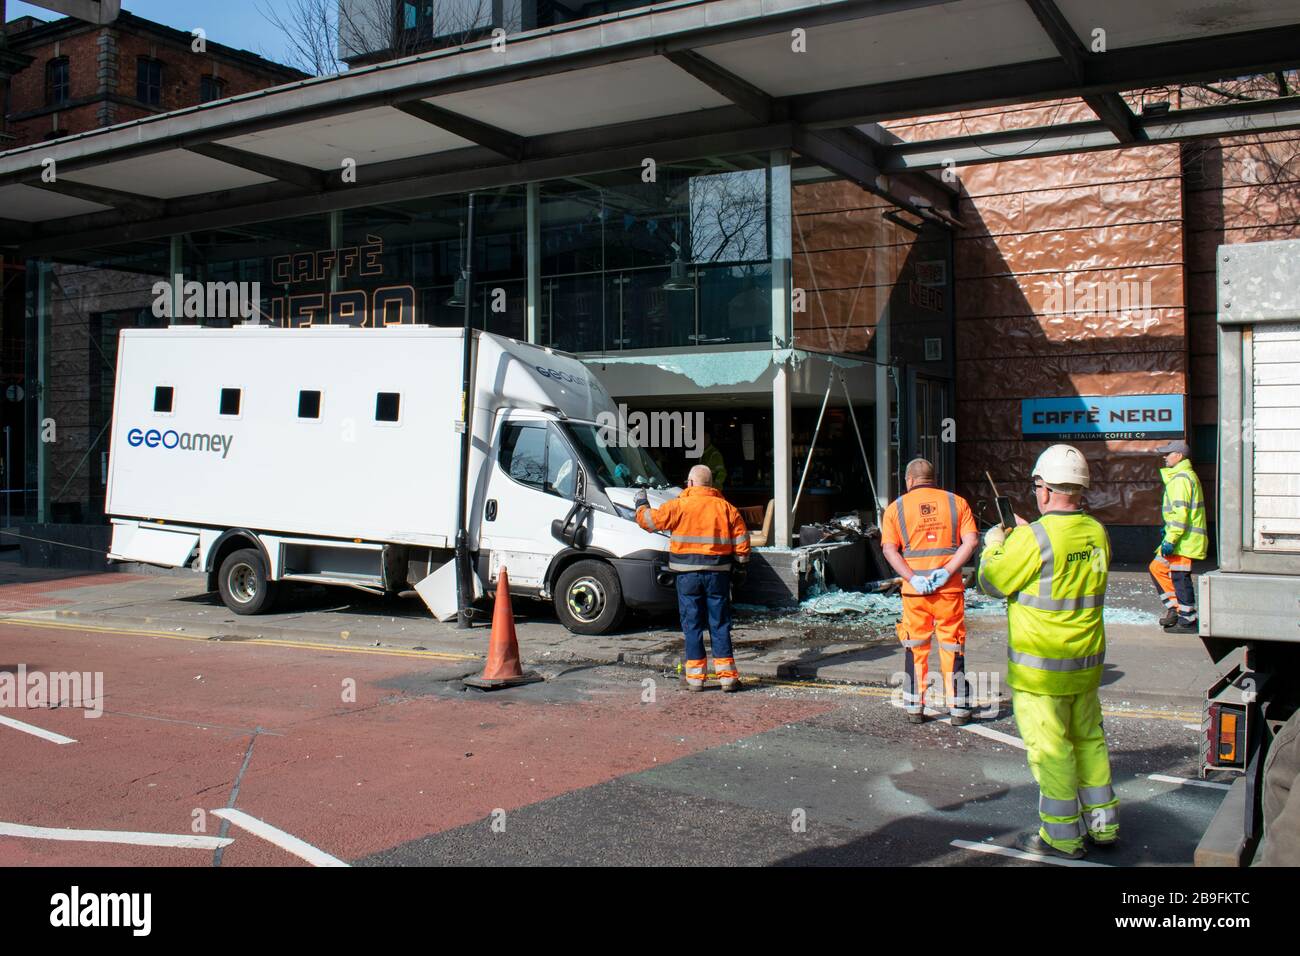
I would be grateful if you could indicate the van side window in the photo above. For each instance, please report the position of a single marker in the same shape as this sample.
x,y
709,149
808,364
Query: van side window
x,y
387,406
561,469
230,401
523,453
308,404
162,398
534,454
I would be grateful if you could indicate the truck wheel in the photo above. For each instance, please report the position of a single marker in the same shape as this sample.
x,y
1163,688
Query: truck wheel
x,y
589,599
243,583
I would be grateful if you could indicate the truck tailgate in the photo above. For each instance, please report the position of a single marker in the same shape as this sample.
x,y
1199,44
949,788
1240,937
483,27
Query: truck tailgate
x,y
1262,607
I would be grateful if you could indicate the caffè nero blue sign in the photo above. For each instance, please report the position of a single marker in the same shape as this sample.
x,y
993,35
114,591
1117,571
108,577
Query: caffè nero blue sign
x,y
1102,417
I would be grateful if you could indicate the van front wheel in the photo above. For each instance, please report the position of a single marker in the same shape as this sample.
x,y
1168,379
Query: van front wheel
x,y
243,583
589,599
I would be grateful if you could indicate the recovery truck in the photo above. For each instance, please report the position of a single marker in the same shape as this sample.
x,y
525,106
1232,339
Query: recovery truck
x,y
330,455
1251,603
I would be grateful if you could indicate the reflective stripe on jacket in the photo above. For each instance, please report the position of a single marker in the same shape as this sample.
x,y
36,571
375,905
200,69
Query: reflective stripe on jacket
x,y
926,525
1053,574
1183,510
707,532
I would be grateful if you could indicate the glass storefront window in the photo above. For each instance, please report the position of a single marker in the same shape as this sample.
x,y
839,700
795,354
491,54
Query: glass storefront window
x,y
624,261
682,260
75,309
276,255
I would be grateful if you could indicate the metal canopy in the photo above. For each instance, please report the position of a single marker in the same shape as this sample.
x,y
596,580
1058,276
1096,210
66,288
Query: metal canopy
x,y
674,81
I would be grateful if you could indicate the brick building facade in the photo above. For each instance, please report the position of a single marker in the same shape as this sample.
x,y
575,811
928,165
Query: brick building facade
x,y
83,76
79,76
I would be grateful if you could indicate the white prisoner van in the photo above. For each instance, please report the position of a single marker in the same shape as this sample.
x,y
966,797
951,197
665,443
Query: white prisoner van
x,y
329,454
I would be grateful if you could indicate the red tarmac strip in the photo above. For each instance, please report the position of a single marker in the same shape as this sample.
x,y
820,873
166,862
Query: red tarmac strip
x,y
349,778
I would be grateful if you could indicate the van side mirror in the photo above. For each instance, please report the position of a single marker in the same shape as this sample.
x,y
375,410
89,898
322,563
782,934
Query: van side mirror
x,y
571,530
573,534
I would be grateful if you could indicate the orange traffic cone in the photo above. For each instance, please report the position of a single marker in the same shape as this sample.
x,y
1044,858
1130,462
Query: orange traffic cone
x,y
503,668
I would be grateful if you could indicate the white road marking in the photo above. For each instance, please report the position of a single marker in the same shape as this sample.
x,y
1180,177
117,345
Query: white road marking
x,y
1193,726
185,841
1184,781
974,727
992,734
36,731
285,841
1020,854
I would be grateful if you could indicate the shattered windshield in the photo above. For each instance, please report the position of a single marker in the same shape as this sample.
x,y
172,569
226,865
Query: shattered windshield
x,y
616,465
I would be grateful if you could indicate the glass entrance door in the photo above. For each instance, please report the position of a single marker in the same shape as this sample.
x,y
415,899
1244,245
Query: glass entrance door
x,y
933,432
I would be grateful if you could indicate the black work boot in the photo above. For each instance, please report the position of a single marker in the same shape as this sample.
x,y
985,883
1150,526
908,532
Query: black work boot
x,y
1169,618
1184,627
1034,843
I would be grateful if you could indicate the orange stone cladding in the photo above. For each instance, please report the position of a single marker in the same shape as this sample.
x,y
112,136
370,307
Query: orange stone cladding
x,y
1146,219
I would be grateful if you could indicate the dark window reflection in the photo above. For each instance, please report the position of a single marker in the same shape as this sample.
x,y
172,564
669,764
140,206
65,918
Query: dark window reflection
x,y
523,453
681,260
534,454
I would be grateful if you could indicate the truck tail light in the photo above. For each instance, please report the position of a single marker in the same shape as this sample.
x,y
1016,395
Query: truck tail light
x,y
1226,736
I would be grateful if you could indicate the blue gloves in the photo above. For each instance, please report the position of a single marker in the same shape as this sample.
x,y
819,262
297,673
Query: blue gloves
x,y
641,498
1166,549
922,583
938,578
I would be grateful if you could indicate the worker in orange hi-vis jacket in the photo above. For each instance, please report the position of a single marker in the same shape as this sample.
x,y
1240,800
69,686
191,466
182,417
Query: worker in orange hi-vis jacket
x,y
928,535
708,548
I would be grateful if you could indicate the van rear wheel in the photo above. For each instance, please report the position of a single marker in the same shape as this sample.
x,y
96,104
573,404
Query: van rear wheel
x,y
589,599
242,582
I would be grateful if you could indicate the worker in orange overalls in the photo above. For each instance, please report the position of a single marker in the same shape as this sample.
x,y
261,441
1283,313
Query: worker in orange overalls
x,y
707,550
928,535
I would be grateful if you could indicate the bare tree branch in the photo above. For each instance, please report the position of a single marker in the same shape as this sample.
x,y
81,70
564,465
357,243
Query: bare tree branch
x,y
321,35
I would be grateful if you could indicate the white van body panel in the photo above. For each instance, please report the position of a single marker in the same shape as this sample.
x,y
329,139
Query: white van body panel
x,y
342,474
324,491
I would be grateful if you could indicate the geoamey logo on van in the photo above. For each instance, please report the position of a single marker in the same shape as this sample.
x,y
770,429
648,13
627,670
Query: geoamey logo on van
x,y
559,376
185,441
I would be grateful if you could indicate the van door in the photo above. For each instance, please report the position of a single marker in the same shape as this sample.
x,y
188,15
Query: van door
x,y
533,483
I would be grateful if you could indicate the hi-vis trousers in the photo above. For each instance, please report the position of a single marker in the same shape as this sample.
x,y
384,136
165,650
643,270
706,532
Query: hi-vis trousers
x,y
944,614
1173,580
1068,757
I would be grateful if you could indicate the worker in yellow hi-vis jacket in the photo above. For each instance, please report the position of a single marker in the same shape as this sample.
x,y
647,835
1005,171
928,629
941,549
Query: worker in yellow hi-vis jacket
x,y
1053,574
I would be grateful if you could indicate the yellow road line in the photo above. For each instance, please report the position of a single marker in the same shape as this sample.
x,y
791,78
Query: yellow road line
x,y
849,689
1177,715
1182,716
264,642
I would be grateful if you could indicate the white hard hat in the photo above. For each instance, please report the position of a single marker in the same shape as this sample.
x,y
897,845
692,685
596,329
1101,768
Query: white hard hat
x,y
1062,465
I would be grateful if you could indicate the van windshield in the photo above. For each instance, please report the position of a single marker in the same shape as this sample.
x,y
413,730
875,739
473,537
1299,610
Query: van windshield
x,y
615,465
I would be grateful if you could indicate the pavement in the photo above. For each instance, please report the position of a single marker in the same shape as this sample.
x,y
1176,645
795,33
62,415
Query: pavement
x,y
1145,667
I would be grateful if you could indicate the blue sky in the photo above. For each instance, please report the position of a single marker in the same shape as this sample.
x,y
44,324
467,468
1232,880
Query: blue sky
x,y
235,23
